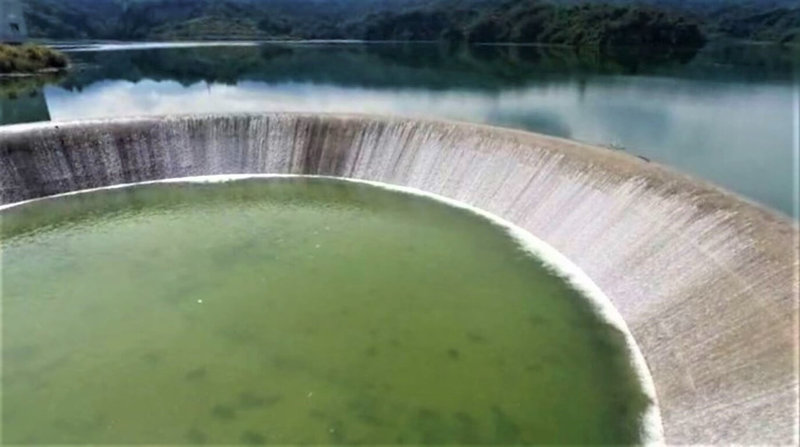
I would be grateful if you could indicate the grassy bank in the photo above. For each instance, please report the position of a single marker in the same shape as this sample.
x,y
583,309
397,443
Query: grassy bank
x,y
30,59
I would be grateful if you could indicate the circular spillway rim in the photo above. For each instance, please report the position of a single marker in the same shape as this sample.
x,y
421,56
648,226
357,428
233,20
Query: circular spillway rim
x,y
572,146
651,429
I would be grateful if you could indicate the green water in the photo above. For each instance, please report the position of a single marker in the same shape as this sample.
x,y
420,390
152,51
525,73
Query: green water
x,y
294,311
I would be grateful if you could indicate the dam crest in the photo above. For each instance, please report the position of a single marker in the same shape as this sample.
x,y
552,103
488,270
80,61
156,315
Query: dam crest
x,y
705,281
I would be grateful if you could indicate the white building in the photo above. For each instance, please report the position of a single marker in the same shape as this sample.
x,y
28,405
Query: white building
x,y
12,22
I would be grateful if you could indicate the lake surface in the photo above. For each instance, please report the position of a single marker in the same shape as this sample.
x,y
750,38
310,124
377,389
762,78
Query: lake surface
x,y
725,114
295,311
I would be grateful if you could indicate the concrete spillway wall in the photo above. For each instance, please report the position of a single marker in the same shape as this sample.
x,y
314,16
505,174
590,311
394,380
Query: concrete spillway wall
x,y
706,282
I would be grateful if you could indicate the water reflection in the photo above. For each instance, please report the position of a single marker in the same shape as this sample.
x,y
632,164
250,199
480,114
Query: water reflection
x,y
724,114
22,100
424,65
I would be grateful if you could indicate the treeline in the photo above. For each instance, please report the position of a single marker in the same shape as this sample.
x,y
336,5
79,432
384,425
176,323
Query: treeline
x,y
533,21
673,23
751,21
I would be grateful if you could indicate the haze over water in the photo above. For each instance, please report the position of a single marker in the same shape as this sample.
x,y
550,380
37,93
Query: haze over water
x,y
724,114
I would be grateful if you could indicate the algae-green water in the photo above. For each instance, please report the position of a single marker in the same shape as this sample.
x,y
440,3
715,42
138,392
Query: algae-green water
x,y
295,311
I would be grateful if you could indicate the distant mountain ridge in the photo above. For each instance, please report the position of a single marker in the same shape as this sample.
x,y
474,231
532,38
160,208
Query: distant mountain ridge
x,y
591,22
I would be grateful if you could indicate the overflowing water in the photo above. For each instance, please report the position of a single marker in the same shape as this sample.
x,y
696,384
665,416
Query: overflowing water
x,y
724,115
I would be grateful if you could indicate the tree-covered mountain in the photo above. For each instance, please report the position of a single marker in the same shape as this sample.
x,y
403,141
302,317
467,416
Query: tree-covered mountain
x,y
72,18
596,25
753,21
668,23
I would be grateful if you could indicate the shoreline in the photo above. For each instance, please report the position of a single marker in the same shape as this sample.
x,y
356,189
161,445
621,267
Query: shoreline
x,y
42,72
200,41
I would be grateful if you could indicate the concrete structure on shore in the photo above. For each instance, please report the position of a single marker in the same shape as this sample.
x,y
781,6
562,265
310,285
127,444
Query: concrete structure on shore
x,y
12,22
706,281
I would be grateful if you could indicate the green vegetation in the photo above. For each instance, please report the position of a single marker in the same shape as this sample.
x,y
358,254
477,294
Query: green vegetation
x,y
28,59
751,22
533,21
588,23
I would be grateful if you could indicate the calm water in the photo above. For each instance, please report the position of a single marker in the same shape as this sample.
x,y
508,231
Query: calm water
x,y
295,311
724,114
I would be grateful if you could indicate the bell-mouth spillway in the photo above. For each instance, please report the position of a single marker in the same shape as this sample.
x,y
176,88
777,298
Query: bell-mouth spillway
x,y
705,281
650,426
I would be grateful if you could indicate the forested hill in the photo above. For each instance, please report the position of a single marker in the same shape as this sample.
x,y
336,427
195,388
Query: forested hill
x,y
669,23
